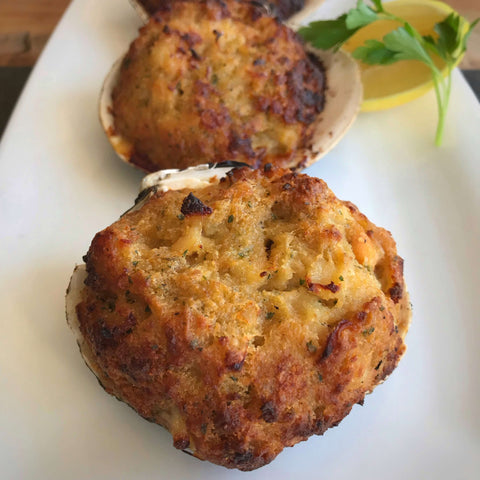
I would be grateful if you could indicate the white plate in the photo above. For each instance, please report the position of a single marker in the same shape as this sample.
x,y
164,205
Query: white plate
x,y
60,183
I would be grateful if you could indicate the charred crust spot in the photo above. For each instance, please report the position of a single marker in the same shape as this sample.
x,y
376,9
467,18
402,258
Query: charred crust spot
x,y
315,287
166,30
194,206
286,8
243,458
213,119
396,292
258,10
379,364
319,428
234,360
240,145
267,167
268,247
203,89
143,161
195,55
191,39
333,339
305,83
269,412
237,365
328,347
106,333
217,34
181,443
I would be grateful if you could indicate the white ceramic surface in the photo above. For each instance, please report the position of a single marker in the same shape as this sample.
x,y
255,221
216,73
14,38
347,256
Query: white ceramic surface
x,y
60,183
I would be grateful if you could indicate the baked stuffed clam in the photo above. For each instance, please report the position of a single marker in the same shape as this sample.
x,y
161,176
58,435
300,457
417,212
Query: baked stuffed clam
x,y
243,313
214,81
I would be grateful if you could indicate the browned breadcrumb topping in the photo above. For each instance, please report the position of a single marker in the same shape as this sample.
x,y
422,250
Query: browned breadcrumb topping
x,y
211,81
249,328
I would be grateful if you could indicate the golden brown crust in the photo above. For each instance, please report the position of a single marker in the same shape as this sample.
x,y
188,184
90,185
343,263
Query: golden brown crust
x,y
211,81
247,318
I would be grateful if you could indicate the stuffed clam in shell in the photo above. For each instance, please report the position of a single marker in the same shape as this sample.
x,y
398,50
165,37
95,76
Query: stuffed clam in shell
x,y
214,81
243,309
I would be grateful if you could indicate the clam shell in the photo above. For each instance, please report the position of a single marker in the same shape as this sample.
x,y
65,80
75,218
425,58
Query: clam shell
x,y
343,99
72,299
141,12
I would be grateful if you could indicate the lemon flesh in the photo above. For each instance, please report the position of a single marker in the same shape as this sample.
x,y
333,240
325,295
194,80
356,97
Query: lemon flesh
x,y
387,86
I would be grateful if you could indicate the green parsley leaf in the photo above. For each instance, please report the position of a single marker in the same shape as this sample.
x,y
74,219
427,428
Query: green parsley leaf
x,y
378,5
327,34
374,52
359,17
406,47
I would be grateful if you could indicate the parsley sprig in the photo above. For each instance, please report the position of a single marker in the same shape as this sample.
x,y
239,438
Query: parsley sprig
x,y
403,43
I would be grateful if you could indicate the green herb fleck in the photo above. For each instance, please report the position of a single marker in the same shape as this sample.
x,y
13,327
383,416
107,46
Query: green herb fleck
x,y
368,331
235,379
135,263
341,278
320,377
184,254
148,309
302,281
231,218
181,216
311,347
244,253
269,315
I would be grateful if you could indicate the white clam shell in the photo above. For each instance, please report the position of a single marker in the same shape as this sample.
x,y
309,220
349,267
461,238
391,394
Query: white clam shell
x,y
72,299
141,12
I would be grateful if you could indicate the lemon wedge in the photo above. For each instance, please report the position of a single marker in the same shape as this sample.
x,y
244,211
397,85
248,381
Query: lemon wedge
x,y
387,86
